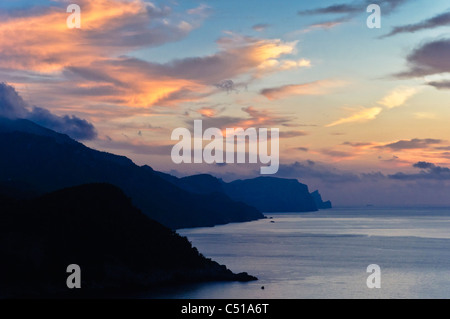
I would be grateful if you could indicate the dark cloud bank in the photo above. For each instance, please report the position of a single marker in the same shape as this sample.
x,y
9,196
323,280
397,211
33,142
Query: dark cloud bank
x,y
425,184
13,106
428,59
429,171
325,173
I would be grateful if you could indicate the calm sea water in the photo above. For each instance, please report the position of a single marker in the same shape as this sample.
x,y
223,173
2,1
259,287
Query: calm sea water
x,y
325,255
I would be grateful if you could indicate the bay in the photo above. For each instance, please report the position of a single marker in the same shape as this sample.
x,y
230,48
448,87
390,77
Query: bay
x,y
325,255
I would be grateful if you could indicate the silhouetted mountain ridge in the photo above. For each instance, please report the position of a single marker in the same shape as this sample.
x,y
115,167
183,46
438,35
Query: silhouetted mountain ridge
x,y
48,161
26,126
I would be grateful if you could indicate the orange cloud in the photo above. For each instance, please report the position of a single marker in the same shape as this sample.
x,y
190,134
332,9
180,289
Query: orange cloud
x,y
141,83
398,97
207,111
89,65
43,42
395,98
359,116
312,88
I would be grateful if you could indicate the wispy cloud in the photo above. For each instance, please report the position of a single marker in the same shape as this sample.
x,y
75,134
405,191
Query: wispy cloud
x,y
395,98
398,96
260,27
415,143
203,11
327,24
354,8
346,11
334,9
273,65
425,115
361,115
311,88
358,144
336,154
442,85
323,25
439,20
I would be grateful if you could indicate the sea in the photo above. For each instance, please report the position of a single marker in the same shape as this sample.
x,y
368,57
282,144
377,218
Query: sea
x,y
326,254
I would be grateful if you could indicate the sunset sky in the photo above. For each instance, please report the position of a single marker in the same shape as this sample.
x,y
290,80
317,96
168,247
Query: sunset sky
x,y
363,114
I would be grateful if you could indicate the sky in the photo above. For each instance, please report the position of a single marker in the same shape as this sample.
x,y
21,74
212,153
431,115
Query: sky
x,y
362,112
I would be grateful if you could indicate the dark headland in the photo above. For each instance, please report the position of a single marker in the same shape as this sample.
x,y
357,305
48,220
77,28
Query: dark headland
x,y
96,227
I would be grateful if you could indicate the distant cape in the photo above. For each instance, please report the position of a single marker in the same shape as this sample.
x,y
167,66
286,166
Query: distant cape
x,y
319,201
267,194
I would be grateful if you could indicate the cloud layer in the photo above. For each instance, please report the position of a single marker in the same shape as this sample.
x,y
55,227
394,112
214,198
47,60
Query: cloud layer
x,y
96,62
